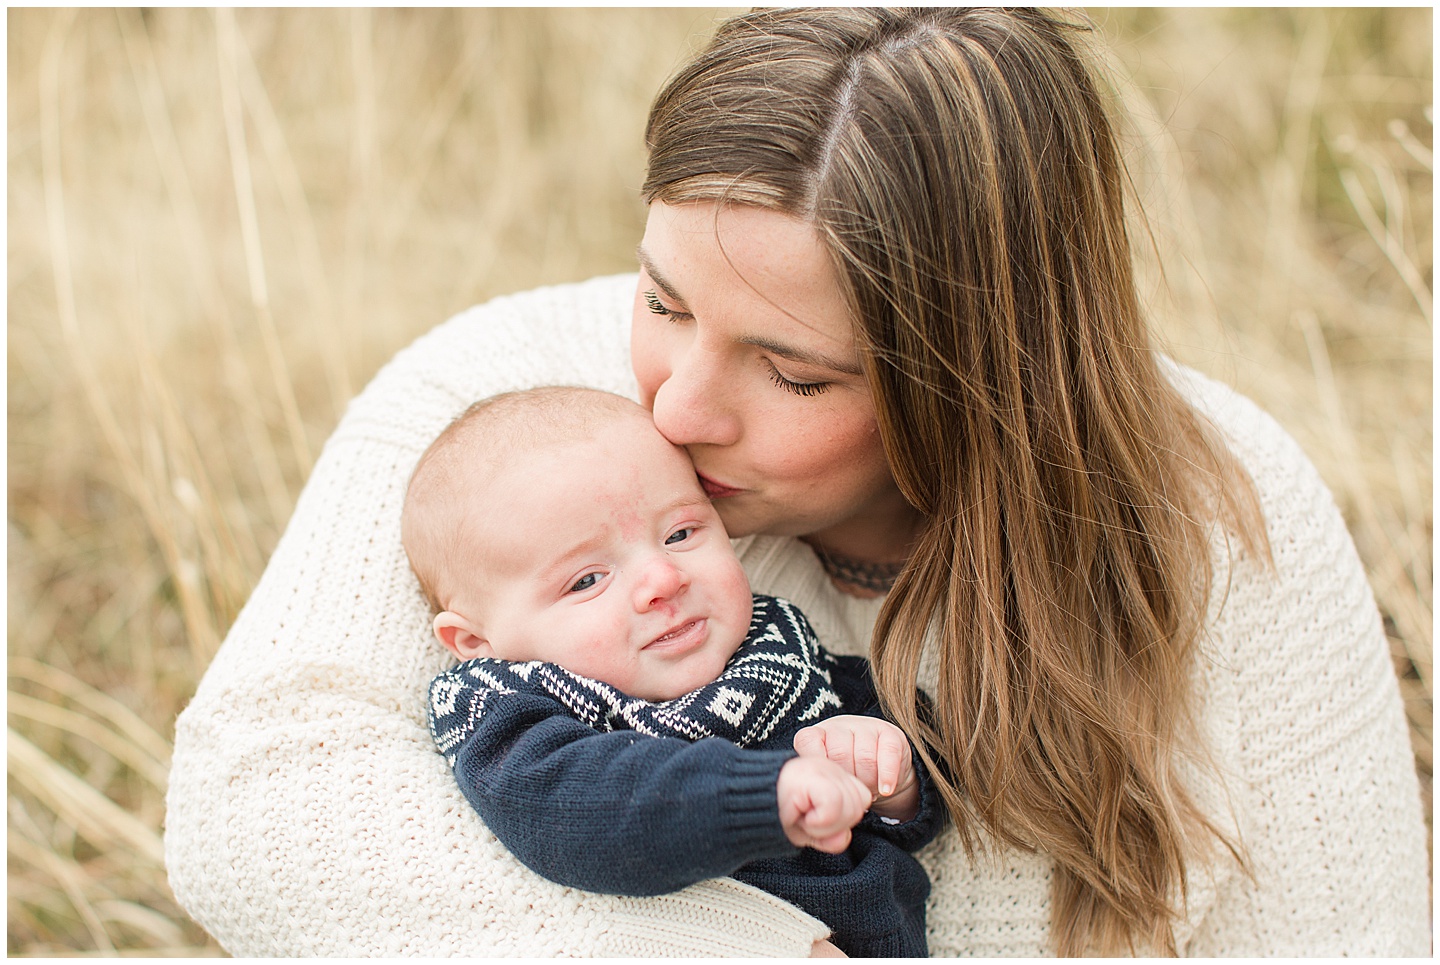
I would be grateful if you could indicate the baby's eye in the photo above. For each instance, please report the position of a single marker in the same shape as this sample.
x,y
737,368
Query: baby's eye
x,y
680,535
585,582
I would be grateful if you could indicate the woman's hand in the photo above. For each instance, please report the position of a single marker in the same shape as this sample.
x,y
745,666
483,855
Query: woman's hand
x,y
876,752
823,949
819,803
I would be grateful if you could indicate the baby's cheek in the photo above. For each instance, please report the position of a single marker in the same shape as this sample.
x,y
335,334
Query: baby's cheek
x,y
736,600
605,650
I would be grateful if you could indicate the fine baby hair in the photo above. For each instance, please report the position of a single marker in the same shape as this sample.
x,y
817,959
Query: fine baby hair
x,y
472,451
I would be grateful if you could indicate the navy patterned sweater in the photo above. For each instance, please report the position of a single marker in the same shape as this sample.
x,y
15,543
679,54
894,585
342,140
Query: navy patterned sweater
x,y
598,790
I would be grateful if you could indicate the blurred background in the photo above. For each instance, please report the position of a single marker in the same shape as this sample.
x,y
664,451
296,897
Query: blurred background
x,y
222,223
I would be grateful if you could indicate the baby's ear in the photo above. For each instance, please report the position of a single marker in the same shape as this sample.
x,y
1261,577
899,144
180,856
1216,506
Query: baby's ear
x,y
460,636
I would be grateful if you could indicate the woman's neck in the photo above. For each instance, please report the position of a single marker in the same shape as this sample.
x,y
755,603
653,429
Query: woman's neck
x,y
857,577
863,558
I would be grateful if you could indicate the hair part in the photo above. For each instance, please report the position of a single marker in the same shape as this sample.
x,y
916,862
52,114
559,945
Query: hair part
x,y
961,168
470,453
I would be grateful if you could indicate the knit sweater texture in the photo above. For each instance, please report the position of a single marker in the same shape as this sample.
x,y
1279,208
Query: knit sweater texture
x,y
551,761
308,813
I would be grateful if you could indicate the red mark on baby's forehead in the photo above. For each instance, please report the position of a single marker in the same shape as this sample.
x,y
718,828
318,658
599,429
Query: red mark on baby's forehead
x,y
620,509
625,518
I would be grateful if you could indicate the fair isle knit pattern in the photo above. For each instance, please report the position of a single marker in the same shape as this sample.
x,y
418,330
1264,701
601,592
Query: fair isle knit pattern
x,y
778,678
308,813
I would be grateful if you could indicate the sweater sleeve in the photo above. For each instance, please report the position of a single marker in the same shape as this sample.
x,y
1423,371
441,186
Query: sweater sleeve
x,y
619,812
308,813
1321,777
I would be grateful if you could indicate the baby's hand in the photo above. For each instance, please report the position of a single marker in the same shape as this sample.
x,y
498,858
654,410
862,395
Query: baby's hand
x,y
873,750
819,803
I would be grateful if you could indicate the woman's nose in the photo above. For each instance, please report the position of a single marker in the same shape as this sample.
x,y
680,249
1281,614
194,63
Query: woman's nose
x,y
660,582
693,406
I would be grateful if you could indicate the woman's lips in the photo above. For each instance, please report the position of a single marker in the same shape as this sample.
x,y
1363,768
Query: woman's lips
x,y
715,490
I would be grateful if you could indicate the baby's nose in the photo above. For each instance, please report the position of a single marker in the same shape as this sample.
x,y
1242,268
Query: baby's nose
x,y
660,582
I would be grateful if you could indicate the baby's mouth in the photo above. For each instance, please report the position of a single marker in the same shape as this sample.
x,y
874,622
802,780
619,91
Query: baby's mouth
x,y
678,636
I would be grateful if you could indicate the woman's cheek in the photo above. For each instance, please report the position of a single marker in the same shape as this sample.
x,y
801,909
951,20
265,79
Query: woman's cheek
x,y
647,360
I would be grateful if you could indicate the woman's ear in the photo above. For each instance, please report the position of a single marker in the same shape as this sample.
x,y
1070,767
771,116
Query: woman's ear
x,y
460,636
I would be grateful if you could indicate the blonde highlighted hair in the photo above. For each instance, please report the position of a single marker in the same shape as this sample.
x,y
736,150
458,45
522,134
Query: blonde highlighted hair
x,y
962,170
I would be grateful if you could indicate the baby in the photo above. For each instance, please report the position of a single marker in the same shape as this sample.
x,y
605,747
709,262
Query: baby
x,y
627,717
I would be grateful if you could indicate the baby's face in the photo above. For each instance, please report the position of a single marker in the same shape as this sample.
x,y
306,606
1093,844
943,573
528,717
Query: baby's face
x,y
605,557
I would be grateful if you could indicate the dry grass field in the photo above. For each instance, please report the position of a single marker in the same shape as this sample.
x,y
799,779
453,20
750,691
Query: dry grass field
x,y
222,223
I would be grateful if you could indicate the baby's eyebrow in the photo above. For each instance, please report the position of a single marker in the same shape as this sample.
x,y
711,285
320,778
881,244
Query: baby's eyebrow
x,y
684,501
563,561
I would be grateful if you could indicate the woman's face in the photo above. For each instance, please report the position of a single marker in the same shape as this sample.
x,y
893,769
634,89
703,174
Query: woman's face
x,y
743,348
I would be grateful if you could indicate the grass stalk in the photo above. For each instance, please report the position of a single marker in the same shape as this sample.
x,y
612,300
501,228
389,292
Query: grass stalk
x,y
112,712
196,615
227,41
78,725
302,224
198,252
1386,239
97,818
72,881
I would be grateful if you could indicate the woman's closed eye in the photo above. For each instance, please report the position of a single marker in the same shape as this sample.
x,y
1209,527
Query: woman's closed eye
x,y
657,307
806,389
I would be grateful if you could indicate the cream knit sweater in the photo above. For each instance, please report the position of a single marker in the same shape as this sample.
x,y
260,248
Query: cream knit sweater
x,y
309,814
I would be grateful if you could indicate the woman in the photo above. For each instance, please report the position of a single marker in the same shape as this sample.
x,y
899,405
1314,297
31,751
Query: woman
x,y
886,304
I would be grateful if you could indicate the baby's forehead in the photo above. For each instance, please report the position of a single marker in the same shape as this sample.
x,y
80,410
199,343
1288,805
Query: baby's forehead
x,y
531,435
490,462
516,447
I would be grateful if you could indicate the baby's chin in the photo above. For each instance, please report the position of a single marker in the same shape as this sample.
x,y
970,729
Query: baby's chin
x,y
696,673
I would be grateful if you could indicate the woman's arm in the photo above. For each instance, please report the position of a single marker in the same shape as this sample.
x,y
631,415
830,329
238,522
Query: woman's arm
x,y
308,813
1321,775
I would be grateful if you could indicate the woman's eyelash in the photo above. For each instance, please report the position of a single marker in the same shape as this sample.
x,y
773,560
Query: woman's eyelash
x,y
806,389
653,302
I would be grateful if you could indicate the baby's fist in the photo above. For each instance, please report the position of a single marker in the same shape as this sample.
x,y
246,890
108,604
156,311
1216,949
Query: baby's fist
x,y
819,803
875,751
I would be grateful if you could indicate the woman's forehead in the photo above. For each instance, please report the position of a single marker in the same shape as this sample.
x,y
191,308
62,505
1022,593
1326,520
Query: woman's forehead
x,y
766,273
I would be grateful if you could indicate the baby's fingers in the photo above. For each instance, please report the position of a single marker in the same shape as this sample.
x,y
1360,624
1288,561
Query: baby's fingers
x,y
810,742
889,762
836,806
833,844
829,809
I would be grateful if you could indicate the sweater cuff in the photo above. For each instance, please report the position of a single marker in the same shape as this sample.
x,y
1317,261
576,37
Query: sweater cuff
x,y
751,809
923,827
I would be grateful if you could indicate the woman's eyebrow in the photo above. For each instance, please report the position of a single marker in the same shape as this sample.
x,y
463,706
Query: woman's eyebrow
x,y
793,354
656,276
803,356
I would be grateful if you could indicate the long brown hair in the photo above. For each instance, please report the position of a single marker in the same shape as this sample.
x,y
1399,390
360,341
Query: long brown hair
x,y
961,168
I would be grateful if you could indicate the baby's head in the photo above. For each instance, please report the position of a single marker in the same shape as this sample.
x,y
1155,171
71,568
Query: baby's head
x,y
557,524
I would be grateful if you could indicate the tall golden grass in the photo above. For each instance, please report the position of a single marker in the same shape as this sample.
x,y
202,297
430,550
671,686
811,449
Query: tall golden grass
x,y
221,224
